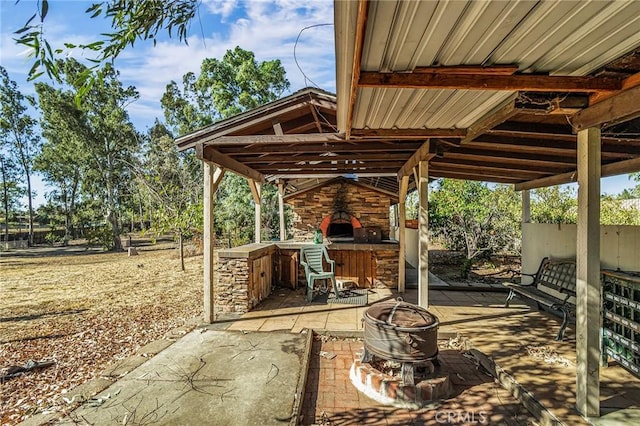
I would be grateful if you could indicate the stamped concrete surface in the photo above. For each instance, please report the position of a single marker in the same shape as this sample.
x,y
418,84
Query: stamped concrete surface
x,y
208,377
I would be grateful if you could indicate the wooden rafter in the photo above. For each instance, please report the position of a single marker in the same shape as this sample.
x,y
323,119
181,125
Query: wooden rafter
x,y
315,118
328,147
520,82
621,107
297,158
507,157
473,176
361,27
422,154
611,169
377,165
500,164
627,83
469,70
407,134
489,171
222,160
496,116
277,139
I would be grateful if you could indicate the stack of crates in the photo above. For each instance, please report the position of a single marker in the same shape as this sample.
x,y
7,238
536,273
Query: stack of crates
x,y
621,322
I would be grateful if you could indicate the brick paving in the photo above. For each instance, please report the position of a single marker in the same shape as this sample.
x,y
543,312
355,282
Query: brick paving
x,y
504,334
331,399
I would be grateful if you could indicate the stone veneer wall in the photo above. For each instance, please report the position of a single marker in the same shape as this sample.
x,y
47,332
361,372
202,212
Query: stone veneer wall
x,y
232,286
369,207
387,268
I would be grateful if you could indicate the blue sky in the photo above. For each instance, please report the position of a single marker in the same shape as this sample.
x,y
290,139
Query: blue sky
x,y
268,28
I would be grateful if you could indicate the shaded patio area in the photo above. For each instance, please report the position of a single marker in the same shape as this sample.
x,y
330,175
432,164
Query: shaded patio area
x,y
519,340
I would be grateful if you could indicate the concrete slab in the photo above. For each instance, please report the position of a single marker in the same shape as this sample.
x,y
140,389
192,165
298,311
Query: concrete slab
x,y
208,377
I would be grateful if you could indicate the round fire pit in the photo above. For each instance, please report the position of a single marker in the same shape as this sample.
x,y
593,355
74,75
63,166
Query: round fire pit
x,y
401,331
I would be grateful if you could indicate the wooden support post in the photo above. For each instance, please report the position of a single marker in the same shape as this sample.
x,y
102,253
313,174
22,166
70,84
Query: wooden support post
x,y
588,287
256,191
423,236
283,229
402,240
526,206
208,241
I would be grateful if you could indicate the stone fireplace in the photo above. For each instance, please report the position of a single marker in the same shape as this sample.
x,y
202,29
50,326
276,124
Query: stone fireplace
x,y
337,209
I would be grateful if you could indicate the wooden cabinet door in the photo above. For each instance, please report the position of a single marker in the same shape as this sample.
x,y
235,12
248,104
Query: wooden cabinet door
x,y
355,265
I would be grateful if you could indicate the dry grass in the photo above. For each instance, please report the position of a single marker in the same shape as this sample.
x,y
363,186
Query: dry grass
x,y
85,311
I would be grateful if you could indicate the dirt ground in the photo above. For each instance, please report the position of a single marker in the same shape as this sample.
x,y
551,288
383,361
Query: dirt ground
x,y
84,310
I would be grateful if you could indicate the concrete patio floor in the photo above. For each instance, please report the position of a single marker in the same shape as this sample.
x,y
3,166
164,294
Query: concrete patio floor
x,y
221,374
511,337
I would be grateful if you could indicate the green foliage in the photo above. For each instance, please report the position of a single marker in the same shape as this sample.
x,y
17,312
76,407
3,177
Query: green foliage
x,y
225,87
100,235
613,212
554,204
172,182
474,218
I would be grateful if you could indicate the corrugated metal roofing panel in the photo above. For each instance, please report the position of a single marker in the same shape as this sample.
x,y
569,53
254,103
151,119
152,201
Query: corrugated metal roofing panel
x,y
559,37
415,109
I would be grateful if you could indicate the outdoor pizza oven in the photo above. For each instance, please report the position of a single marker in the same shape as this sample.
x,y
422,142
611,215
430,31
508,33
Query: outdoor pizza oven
x,y
400,331
339,225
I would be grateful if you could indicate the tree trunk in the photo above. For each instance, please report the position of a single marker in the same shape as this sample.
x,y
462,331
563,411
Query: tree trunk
x,y
5,188
30,198
181,248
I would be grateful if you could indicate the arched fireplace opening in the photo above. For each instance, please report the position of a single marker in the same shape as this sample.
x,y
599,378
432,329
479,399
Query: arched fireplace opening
x,y
339,225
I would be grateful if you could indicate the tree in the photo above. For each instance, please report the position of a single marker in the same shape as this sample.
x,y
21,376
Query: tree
x,y
225,87
18,132
10,191
172,184
554,204
472,217
62,156
108,141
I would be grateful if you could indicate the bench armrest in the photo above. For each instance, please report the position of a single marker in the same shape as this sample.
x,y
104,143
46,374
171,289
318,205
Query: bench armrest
x,y
568,292
533,284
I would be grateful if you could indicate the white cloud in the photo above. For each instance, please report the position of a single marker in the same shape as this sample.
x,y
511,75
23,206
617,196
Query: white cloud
x,y
224,8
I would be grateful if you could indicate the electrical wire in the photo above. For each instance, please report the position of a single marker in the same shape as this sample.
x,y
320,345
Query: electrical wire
x,y
306,78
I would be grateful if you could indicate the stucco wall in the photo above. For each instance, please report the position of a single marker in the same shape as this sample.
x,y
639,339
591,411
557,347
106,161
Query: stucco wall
x,y
619,245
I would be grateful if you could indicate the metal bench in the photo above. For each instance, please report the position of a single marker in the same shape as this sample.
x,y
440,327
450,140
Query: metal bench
x,y
311,257
554,284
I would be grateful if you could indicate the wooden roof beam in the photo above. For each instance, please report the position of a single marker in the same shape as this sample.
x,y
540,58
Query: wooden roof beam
x,y
519,82
379,165
497,115
524,166
627,83
224,161
422,154
490,171
507,157
361,27
611,169
276,139
350,157
336,147
486,177
621,107
469,69
407,134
